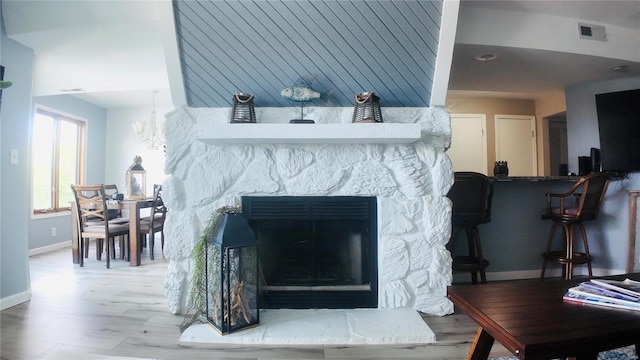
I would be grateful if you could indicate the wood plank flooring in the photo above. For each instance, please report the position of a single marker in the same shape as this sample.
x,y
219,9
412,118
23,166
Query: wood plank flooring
x,y
121,313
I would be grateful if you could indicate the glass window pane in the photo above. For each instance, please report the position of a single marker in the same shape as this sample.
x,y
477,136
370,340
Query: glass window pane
x,y
67,163
42,165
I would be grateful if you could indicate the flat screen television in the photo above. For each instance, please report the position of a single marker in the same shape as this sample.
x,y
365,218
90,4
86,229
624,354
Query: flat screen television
x,y
619,129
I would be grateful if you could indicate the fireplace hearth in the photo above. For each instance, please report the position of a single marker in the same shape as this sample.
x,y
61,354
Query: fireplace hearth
x,y
316,251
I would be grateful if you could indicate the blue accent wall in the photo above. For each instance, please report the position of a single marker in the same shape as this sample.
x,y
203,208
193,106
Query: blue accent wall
x,y
348,46
16,228
14,178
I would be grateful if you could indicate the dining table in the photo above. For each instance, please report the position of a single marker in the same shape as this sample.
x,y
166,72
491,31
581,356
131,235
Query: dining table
x,y
133,206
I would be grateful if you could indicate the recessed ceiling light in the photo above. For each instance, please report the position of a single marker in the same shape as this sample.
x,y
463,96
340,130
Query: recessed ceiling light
x,y
486,57
619,68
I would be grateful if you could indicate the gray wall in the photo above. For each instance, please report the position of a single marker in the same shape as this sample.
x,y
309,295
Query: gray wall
x,y
582,134
14,178
40,227
516,236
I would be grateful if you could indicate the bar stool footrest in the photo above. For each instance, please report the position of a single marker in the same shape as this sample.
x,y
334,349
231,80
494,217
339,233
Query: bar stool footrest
x,y
561,258
469,263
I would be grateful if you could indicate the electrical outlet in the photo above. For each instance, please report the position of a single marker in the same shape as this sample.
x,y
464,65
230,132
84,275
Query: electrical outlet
x,y
53,231
14,156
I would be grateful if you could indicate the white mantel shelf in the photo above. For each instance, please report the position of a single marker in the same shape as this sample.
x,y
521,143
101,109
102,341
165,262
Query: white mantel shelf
x,y
366,133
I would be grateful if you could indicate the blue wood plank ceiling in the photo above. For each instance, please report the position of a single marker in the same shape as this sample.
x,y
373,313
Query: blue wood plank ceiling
x,y
350,46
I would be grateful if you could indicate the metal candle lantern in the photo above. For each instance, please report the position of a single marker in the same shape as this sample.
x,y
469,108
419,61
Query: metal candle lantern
x,y
243,111
501,169
367,108
136,178
232,275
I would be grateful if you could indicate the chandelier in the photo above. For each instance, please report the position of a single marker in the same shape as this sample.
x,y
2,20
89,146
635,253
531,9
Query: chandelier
x,y
150,133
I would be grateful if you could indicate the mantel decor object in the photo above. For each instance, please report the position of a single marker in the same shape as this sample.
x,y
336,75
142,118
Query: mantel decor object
x,y
301,93
367,108
501,169
243,111
231,275
136,178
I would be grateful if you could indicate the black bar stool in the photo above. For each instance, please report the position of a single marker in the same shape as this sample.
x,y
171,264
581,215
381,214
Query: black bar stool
x,y
471,195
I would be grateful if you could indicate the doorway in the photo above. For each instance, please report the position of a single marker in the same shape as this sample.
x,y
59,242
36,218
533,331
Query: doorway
x,y
558,148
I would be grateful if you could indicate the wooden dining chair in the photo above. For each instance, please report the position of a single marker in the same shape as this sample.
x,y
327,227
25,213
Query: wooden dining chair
x,y
115,216
154,223
109,191
92,221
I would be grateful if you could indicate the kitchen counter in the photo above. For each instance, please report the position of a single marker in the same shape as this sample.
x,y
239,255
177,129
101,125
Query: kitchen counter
x,y
536,178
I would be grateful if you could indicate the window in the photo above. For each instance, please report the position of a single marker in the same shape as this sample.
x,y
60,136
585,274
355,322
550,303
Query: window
x,y
57,150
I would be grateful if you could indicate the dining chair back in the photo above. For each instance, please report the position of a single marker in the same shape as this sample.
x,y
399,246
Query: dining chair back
x,y
92,220
154,223
109,191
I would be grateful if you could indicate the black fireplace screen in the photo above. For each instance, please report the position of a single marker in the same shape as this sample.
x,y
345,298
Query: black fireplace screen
x,y
316,252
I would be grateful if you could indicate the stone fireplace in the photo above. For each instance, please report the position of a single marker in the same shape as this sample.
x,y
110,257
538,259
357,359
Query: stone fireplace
x,y
401,164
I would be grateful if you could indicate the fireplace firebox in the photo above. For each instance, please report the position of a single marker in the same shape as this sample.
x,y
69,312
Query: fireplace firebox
x,y
316,251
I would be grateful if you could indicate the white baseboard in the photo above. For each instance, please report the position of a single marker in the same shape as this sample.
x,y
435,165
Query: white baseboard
x,y
49,248
462,277
14,300
534,274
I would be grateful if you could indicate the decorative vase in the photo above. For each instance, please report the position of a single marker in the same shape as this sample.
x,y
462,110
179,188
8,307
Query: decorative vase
x,y
501,169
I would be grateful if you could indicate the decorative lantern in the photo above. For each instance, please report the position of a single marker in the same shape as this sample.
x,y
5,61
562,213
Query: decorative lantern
x,y
136,180
501,169
243,111
232,275
367,108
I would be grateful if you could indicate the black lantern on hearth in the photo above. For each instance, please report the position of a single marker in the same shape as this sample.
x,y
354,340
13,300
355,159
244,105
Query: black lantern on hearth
x,y
232,274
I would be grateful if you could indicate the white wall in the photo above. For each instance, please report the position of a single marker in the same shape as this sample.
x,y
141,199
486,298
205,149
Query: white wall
x,y
479,25
122,147
607,235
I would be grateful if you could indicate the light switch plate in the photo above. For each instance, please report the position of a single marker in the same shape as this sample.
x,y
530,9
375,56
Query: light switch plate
x,y
14,156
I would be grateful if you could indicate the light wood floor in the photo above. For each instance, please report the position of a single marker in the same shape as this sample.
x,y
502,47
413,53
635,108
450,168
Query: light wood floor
x,y
119,313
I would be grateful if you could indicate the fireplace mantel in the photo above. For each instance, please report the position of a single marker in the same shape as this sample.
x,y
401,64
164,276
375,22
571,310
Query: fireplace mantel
x,y
365,133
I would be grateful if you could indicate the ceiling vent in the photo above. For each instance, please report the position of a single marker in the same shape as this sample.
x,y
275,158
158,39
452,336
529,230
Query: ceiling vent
x,y
592,32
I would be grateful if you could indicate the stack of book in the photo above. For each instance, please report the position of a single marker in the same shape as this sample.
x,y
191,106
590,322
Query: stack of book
x,y
621,294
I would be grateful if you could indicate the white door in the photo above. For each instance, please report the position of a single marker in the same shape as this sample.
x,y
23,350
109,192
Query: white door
x,y
468,151
516,143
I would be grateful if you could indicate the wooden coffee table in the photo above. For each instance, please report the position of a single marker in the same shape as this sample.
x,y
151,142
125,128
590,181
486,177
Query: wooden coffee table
x,y
530,319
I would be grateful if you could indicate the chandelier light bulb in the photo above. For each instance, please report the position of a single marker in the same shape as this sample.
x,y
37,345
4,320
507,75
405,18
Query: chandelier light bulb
x,y
151,134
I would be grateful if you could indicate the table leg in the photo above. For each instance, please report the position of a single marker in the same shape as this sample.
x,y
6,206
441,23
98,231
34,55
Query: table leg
x,y
134,226
481,346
